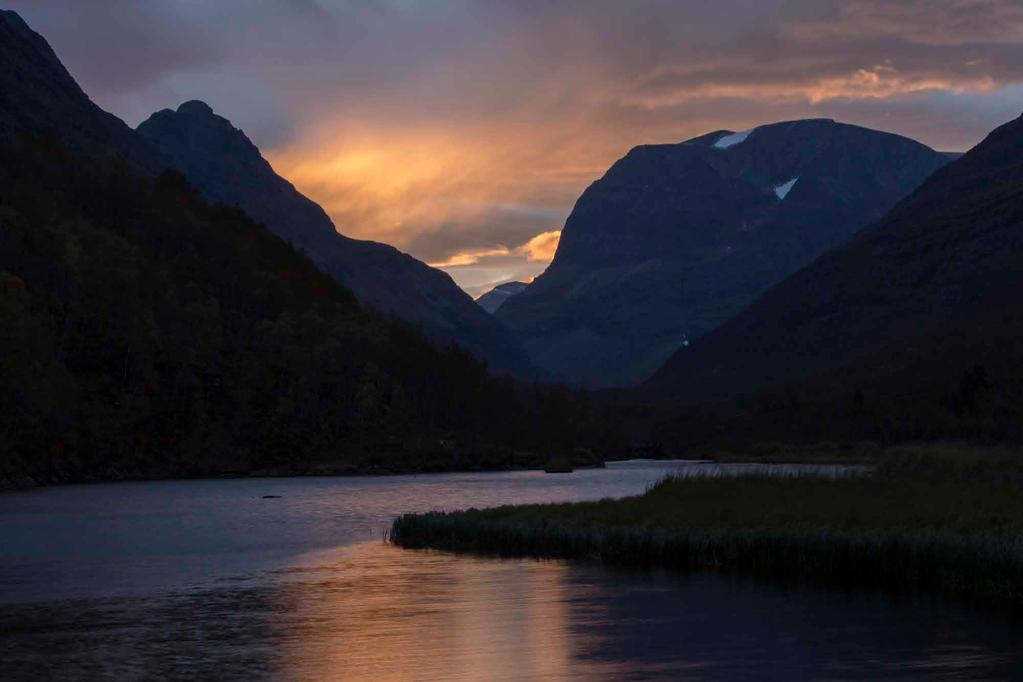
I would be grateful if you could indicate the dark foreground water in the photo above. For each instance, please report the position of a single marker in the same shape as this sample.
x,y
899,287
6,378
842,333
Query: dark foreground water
x,y
210,580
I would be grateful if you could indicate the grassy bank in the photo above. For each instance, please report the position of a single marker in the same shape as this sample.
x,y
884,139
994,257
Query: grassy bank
x,y
952,453
922,522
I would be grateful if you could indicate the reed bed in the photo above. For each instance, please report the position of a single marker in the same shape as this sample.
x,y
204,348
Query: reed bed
x,y
893,529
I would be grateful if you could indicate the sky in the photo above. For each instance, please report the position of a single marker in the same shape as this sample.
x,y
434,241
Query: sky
x,y
463,131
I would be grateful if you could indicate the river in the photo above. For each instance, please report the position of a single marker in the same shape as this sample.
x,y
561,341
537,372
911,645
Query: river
x,y
289,579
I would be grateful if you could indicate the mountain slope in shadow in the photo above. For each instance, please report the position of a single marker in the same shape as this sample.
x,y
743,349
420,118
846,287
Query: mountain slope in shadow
x,y
147,332
676,239
226,166
920,309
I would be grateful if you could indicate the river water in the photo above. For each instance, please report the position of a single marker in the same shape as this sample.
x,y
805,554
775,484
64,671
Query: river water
x,y
289,579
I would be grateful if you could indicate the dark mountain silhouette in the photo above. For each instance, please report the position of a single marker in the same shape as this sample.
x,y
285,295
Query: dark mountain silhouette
x,y
496,297
147,332
227,167
920,309
40,96
676,239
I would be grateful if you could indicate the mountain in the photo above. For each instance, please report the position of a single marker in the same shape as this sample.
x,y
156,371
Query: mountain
x,y
146,332
496,297
49,101
919,310
676,239
227,167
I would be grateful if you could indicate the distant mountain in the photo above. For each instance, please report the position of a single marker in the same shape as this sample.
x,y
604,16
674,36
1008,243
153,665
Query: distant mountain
x,y
496,297
676,239
921,309
227,167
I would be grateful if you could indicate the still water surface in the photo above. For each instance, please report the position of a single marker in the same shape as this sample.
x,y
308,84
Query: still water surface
x,y
211,580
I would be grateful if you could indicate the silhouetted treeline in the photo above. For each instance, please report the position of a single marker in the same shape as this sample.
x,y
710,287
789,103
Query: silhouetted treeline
x,y
949,392
144,332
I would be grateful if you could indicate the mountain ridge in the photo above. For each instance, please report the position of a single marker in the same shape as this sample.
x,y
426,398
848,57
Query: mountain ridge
x,y
934,278
51,101
227,167
147,332
675,239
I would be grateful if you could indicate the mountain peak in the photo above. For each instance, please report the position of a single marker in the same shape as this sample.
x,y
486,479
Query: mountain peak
x,y
905,305
195,107
30,63
723,139
195,127
39,96
681,237
13,20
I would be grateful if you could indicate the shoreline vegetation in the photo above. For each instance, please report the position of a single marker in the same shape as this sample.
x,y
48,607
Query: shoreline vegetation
x,y
944,520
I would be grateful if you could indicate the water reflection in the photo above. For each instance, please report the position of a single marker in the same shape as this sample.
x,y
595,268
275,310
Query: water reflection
x,y
401,616
373,612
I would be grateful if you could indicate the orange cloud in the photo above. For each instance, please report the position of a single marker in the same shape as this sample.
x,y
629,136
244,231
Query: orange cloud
x,y
383,185
542,246
395,185
470,257
681,85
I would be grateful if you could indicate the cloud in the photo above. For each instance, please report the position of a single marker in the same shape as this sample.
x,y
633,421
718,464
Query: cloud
x,y
471,257
542,246
936,22
458,129
853,50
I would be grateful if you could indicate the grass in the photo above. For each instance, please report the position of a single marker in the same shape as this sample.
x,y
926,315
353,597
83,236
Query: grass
x,y
860,452
926,520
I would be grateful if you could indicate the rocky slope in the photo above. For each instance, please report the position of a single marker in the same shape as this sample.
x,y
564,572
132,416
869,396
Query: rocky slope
x,y
676,239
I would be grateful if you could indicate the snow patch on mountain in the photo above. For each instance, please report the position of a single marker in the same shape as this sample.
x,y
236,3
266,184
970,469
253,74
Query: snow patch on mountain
x,y
495,298
782,190
732,139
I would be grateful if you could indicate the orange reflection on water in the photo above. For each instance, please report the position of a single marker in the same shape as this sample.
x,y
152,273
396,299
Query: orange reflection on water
x,y
381,613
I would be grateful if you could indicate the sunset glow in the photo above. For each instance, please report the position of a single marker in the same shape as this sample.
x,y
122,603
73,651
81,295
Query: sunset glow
x,y
463,133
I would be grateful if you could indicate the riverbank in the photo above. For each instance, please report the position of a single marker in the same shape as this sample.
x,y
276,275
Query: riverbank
x,y
446,458
919,523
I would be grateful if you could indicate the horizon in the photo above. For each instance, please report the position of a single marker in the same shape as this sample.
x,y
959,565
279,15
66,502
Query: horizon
x,y
496,116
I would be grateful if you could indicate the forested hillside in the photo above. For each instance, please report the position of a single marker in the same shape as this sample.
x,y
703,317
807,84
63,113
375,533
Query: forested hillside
x,y
146,333
222,163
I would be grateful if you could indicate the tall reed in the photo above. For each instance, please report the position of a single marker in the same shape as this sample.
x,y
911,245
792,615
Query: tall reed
x,y
887,531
